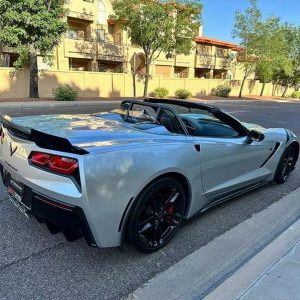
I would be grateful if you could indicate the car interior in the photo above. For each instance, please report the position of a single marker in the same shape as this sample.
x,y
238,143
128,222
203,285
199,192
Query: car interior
x,y
196,125
197,122
208,127
170,122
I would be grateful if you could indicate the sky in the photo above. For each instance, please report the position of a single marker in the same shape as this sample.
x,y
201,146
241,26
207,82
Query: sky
x,y
218,15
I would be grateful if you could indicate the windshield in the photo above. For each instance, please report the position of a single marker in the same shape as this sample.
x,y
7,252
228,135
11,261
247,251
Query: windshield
x,y
138,114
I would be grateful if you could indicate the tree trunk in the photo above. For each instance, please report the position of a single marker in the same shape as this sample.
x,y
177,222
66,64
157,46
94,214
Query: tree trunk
x,y
242,87
285,90
274,89
262,89
147,78
34,76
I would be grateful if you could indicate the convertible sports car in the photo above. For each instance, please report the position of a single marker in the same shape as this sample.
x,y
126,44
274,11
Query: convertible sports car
x,y
133,174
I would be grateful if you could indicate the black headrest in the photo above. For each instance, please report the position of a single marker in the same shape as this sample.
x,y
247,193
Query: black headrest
x,y
169,122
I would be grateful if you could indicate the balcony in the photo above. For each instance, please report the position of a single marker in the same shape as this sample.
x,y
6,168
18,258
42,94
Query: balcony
x,y
184,60
84,10
111,52
79,49
222,62
205,61
83,15
212,61
7,49
93,50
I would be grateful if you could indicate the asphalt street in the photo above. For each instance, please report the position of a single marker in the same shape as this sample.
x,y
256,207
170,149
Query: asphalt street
x,y
36,265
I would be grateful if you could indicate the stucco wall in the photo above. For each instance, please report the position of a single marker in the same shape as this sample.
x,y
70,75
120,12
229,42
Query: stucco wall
x,y
94,84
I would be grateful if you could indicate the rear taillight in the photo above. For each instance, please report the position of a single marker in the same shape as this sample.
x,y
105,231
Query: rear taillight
x,y
63,165
54,163
39,159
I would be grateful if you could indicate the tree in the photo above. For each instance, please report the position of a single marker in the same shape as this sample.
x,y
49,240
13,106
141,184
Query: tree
x,y
291,77
159,27
32,28
266,46
246,30
273,53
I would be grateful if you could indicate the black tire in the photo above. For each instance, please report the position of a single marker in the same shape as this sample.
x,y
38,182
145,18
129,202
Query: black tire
x,y
286,165
156,215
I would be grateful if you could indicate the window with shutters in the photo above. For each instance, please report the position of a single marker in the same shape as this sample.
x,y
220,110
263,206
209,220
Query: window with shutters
x,y
164,71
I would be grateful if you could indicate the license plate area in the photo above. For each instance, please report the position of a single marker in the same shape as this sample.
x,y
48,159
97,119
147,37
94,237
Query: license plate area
x,y
16,190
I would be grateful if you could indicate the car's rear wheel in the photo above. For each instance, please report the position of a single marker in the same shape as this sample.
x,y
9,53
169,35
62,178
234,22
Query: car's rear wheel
x,y
156,215
286,165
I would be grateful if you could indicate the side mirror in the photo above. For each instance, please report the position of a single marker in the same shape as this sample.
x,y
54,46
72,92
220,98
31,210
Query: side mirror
x,y
256,136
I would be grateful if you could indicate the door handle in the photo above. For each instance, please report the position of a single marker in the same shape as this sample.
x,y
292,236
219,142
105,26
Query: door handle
x,y
198,148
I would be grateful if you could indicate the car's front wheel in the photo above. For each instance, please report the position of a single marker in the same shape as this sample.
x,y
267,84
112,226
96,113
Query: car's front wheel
x,y
286,165
156,215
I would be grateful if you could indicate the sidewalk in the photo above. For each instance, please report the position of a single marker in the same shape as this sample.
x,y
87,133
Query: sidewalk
x,y
258,259
84,102
274,273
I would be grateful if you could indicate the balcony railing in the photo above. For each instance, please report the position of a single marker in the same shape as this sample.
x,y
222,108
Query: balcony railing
x,y
84,15
7,49
205,61
212,61
107,51
80,9
93,50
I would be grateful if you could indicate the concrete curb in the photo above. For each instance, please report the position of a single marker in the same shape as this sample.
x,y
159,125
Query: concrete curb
x,y
38,104
201,272
249,275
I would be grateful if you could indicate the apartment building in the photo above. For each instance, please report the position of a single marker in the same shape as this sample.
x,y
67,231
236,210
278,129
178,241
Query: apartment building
x,y
97,44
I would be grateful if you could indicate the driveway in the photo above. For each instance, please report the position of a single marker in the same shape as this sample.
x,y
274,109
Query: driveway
x,y
34,264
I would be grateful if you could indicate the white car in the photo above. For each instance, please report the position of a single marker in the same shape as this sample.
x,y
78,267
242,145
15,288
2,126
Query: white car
x,y
133,174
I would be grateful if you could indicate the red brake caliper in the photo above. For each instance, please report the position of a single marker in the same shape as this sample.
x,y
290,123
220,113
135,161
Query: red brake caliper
x,y
170,211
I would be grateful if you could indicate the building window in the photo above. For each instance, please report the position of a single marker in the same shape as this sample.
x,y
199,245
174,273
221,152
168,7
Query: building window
x,y
116,34
181,72
118,41
163,71
111,67
77,30
73,34
202,73
220,74
101,12
8,60
78,64
100,33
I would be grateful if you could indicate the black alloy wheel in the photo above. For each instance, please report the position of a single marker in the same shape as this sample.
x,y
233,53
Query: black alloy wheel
x,y
286,165
157,215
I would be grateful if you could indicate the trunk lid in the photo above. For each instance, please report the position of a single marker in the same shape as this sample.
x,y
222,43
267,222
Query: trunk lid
x,y
84,131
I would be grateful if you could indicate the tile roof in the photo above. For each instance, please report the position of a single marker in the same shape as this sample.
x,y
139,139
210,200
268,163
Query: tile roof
x,y
215,42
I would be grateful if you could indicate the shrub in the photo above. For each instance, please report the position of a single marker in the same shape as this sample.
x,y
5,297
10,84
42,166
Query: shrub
x,y
161,92
296,94
183,94
65,93
223,91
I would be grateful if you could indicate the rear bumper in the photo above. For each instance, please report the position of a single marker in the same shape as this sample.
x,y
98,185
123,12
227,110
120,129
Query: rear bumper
x,y
57,215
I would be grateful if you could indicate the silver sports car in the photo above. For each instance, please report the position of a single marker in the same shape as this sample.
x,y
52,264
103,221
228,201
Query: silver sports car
x,y
135,173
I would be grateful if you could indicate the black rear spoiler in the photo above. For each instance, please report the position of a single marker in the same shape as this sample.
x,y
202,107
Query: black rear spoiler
x,y
41,139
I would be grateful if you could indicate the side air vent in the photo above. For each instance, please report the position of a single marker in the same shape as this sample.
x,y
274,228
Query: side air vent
x,y
271,155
